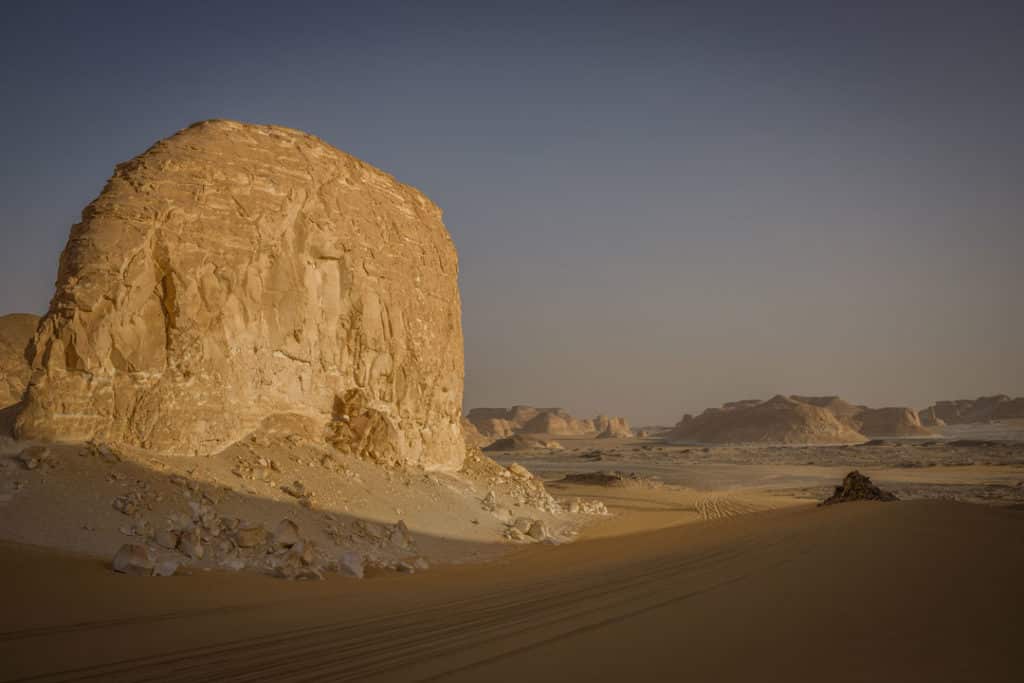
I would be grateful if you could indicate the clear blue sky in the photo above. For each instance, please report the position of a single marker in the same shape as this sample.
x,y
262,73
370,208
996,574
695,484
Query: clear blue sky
x,y
658,206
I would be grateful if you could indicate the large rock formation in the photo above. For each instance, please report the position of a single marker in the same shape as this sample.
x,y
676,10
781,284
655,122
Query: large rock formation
x,y
797,419
555,421
778,420
233,273
898,421
843,410
968,411
612,427
503,422
16,332
888,422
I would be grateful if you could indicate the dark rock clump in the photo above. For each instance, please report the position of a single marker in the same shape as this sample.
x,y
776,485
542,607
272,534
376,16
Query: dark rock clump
x,y
857,486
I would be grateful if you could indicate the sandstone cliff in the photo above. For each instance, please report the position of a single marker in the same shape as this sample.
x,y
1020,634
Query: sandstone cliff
x,y
16,332
233,273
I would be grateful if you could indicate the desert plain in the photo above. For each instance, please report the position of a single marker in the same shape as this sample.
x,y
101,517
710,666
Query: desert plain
x,y
235,448
706,551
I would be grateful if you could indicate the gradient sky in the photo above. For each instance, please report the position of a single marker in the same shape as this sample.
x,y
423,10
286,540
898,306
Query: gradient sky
x,y
658,206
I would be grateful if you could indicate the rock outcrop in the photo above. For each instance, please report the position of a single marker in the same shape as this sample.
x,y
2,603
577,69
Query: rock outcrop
x,y
877,422
778,420
969,411
504,422
797,419
520,442
497,423
612,427
857,486
16,332
929,418
843,410
556,422
893,421
233,273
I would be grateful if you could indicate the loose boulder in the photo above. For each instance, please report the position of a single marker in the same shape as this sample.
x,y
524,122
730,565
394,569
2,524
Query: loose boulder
x,y
134,559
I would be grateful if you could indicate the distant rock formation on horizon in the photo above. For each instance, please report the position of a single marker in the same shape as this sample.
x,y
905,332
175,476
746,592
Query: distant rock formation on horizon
x,y
612,427
780,419
235,273
972,411
796,419
503,422
16,330
522,442
556,422
898,421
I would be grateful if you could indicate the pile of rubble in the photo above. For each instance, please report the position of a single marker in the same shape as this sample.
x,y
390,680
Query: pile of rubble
x,y
202,535
516,487
857,486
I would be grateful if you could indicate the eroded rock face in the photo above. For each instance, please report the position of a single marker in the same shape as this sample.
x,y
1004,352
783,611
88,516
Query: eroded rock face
x,y
233,273
16,332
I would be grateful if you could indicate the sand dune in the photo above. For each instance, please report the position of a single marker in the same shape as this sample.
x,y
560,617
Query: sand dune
x,y
572,612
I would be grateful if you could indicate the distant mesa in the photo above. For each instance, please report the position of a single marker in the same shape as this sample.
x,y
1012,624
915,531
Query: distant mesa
x,y
235,273
972,411
497,423
796,420
16,330
521,442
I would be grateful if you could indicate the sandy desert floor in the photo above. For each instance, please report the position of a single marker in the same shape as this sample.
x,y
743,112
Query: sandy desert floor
x,y
714,565
920,590
966,463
